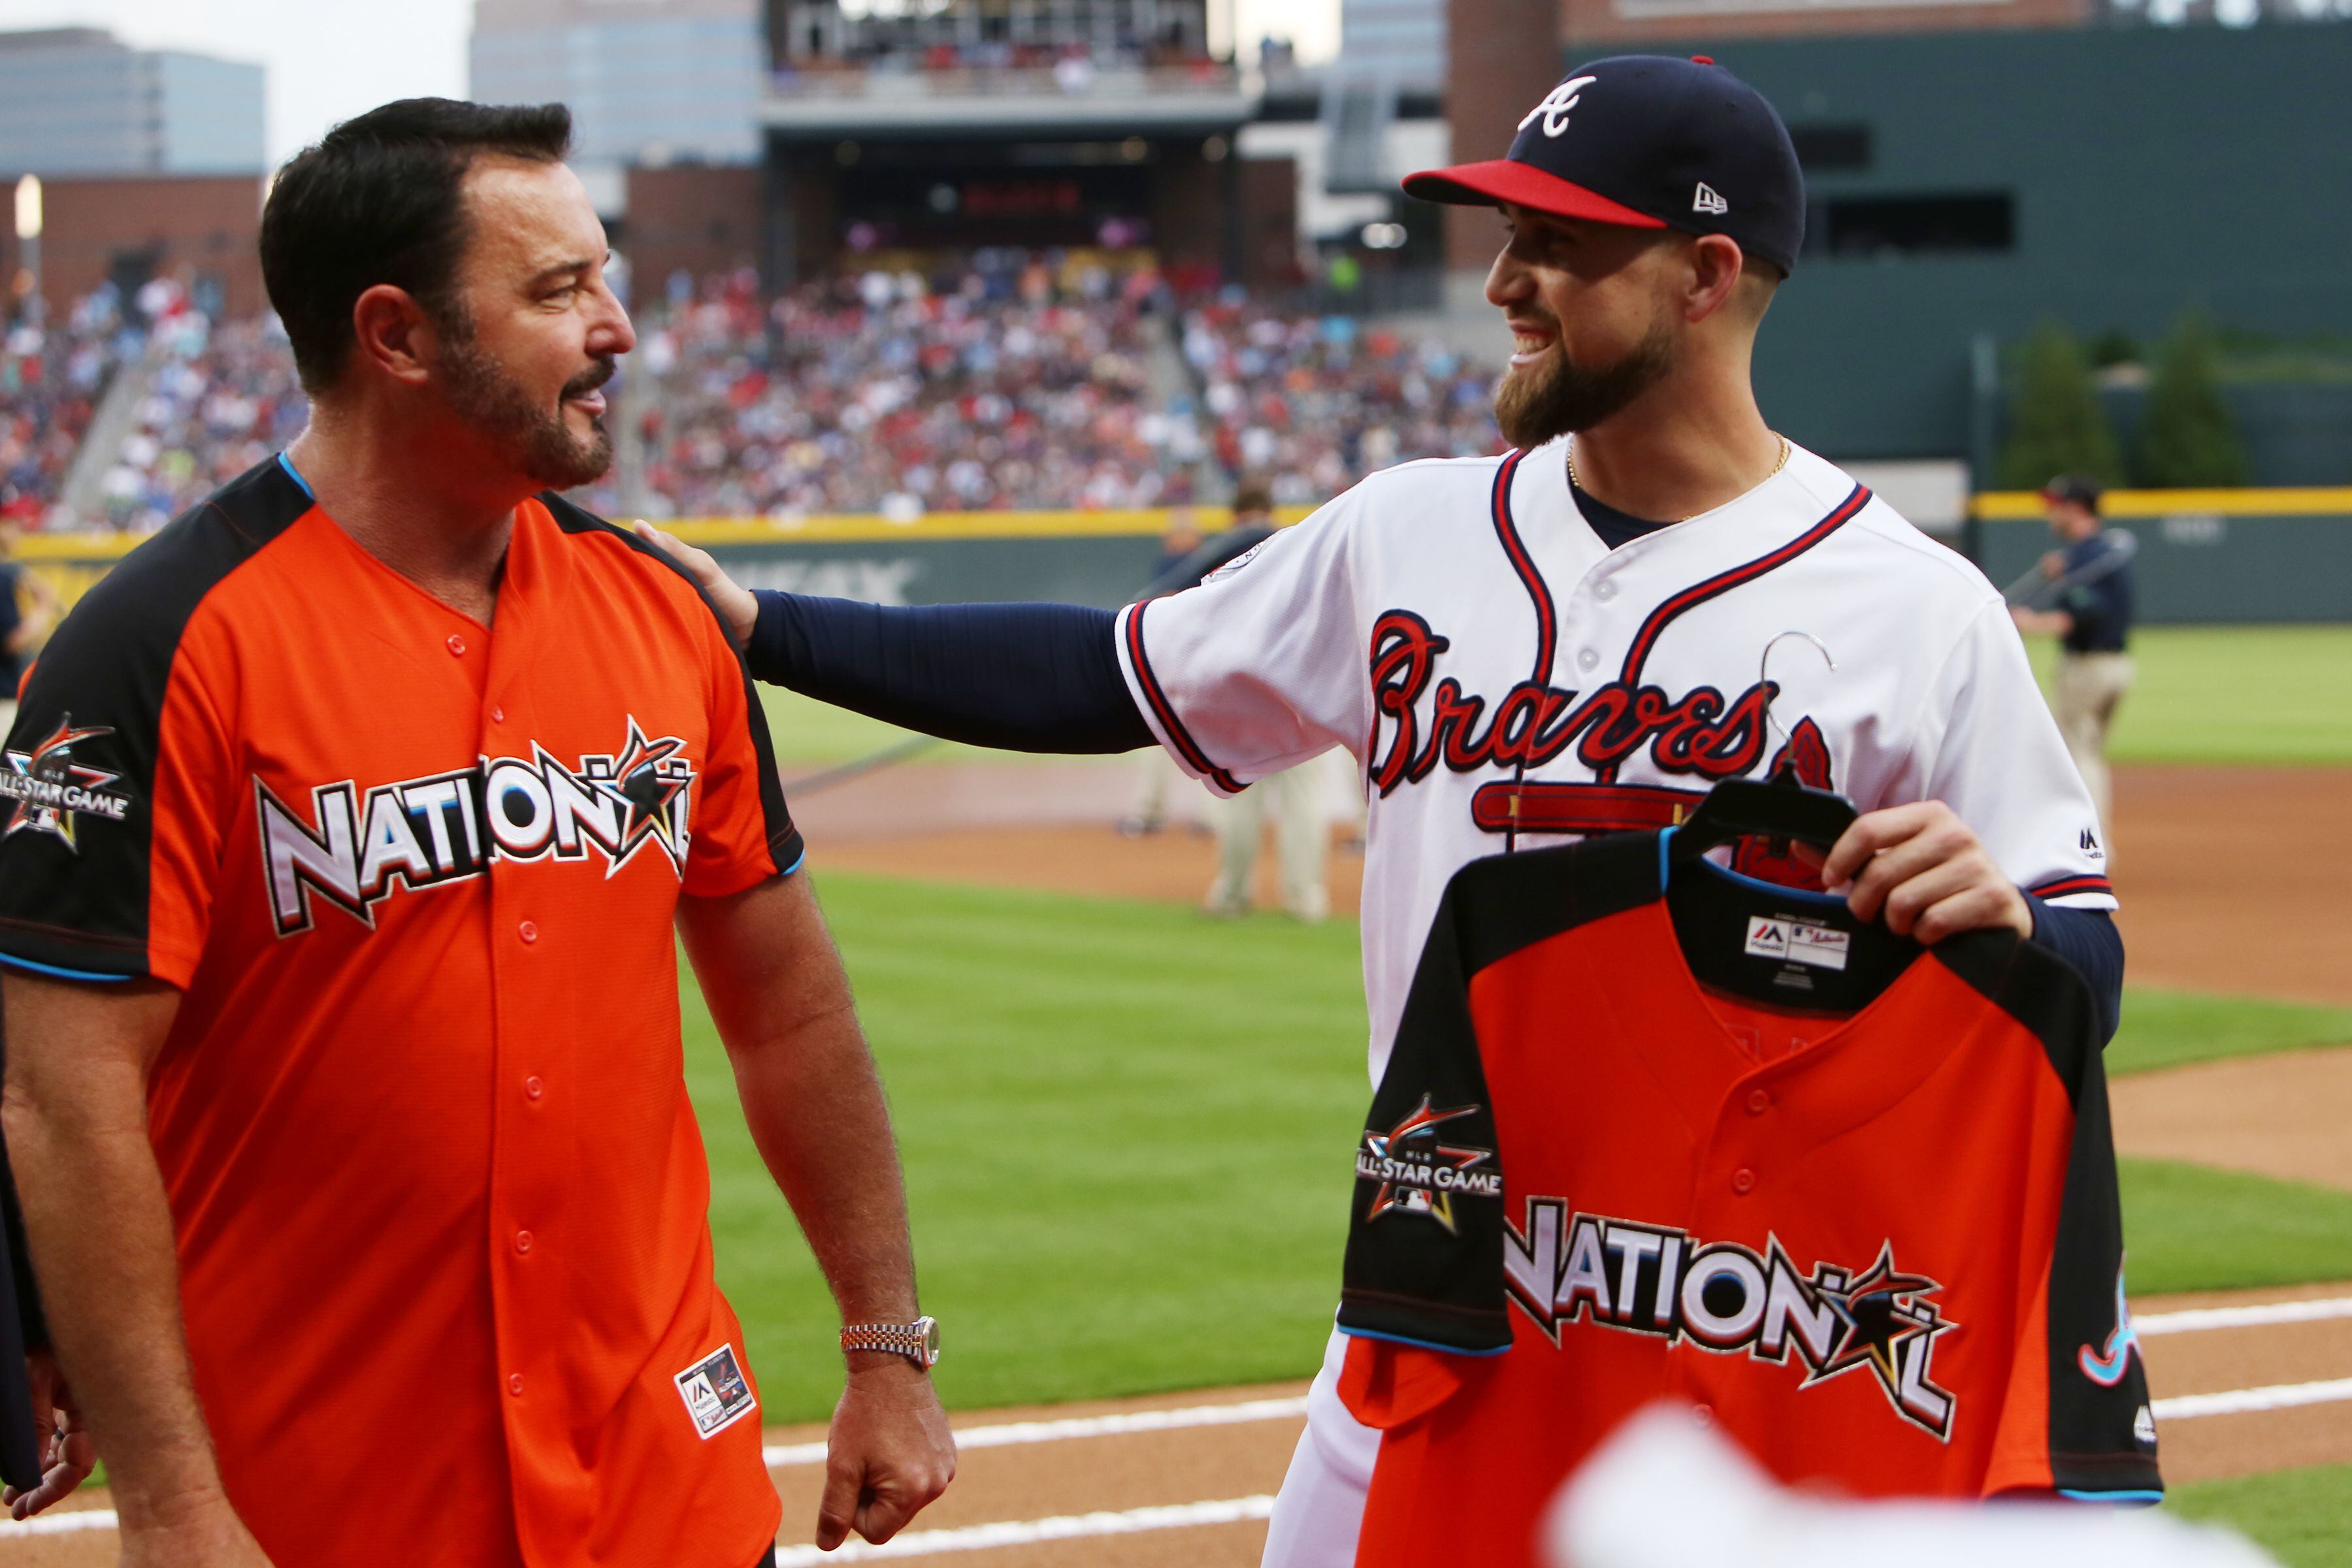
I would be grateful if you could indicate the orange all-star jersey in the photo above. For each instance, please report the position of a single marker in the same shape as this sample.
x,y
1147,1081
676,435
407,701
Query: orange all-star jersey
x,y
1853,1199
440,1199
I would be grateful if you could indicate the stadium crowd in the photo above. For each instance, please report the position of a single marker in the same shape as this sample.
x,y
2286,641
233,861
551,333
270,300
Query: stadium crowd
x,y
1314,404
1019,382
52,375
223,398
883,392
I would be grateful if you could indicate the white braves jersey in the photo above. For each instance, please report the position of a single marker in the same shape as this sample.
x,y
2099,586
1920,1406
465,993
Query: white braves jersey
x,y
1506,679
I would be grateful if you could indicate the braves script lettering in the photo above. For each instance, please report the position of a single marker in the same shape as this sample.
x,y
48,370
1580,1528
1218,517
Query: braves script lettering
x,y
1698,733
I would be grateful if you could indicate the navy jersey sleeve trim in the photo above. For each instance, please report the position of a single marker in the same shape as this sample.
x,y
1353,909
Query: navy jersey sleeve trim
x,y
1020,677
784,838
75,884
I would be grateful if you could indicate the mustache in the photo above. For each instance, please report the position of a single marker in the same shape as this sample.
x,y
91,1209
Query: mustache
x,y
607,366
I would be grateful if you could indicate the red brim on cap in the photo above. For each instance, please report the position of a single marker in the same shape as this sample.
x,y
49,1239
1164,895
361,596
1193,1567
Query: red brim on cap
x,y
1499,180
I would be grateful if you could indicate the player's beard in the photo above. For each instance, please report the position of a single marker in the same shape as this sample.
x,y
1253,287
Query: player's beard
x,y
536,438
1556,396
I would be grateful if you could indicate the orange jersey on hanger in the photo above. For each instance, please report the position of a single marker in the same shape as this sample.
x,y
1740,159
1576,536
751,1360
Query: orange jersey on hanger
x,y
440,1198
1852,1199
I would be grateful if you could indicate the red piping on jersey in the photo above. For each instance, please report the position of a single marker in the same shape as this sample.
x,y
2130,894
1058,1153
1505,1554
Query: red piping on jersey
x,y
1547,619
1186,747
2063,887
1546,622
1723,582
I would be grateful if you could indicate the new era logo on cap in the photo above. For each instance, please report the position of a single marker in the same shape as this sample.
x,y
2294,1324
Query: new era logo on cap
x,y
1661,140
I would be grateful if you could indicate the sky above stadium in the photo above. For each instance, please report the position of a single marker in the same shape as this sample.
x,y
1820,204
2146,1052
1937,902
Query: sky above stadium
x,y
330,59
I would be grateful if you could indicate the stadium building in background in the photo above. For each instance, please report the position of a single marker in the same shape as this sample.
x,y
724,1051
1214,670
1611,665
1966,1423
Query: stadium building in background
x,y
649,82
149,162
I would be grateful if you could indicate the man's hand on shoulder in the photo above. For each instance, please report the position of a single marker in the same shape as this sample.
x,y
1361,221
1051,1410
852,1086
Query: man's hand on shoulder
x,y
1926,870
736,607
889,1452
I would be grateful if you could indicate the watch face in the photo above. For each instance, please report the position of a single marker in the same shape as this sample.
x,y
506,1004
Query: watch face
x,y
929,1330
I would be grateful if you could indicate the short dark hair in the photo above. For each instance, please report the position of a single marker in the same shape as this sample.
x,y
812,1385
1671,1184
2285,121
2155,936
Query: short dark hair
x,y
377,201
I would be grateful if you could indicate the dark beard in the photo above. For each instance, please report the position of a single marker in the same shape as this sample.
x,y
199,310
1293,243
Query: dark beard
x,y
531,436
1533,407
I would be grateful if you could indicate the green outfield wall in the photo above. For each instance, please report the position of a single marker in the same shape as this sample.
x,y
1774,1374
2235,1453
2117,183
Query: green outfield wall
x,y
2205,555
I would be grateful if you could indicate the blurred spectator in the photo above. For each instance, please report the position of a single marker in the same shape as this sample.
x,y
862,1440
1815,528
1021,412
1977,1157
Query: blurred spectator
x,y
1016,388
223,399
28,609
1316,404
52,376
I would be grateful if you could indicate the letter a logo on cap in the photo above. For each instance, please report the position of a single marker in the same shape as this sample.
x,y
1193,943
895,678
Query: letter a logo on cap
x,y
1705,200
1557,103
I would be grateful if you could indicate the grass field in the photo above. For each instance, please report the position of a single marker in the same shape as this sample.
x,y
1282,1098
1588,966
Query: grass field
x,y
1125,1134
1120,1126
2302,1517
2232,694
2169,1028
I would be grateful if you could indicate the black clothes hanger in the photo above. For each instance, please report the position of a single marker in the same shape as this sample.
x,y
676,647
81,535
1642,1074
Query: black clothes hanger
x,y
1779,808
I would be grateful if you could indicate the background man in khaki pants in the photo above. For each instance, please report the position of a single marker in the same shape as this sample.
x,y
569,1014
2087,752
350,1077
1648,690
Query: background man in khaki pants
x,y
2090,579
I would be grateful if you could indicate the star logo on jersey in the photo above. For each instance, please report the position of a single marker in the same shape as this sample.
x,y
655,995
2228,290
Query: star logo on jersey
x,y
647,777
1420,1174
1880,1313
52,790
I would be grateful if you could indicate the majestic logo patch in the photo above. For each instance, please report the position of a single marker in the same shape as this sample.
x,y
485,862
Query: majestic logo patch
x,y
1417,1173
449,827
1731,1299
2089,844
52,790
716,1393
1557,103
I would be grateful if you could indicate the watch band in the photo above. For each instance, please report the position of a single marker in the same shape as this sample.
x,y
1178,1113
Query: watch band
x,y
918,1341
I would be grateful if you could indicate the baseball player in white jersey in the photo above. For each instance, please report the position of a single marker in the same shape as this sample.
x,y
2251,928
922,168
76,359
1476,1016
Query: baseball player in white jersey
x,y
1568,638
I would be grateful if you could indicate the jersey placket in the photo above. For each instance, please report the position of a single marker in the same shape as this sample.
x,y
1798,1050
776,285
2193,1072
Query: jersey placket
x,y
536,1103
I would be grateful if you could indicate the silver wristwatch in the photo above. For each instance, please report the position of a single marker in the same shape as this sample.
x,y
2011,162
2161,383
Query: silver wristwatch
x,y
918,1341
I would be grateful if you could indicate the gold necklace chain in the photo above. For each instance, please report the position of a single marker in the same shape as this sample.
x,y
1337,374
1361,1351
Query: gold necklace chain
x,y
1785,450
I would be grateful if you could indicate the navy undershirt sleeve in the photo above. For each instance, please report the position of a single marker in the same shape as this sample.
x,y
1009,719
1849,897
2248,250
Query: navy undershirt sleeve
x,y
2088,940
1023,677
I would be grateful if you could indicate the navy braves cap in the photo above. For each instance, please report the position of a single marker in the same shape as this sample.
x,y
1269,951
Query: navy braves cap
x,y
1648,142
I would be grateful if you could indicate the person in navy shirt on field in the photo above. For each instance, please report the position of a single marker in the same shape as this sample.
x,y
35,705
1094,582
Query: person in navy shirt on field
x,y
2092,616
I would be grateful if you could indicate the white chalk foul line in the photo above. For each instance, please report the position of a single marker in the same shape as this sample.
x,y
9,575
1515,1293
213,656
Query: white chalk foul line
x,y
1008,1434
2278,1396
59,1524
2196,1319
2179,1407
1028,1533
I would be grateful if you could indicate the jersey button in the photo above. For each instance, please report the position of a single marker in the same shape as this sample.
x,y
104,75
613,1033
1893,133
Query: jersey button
x,y
522,1243
457,645
514,1384
533,1088
1586,658
1743,1180
528,931
498,714
1758,1102
1604,591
